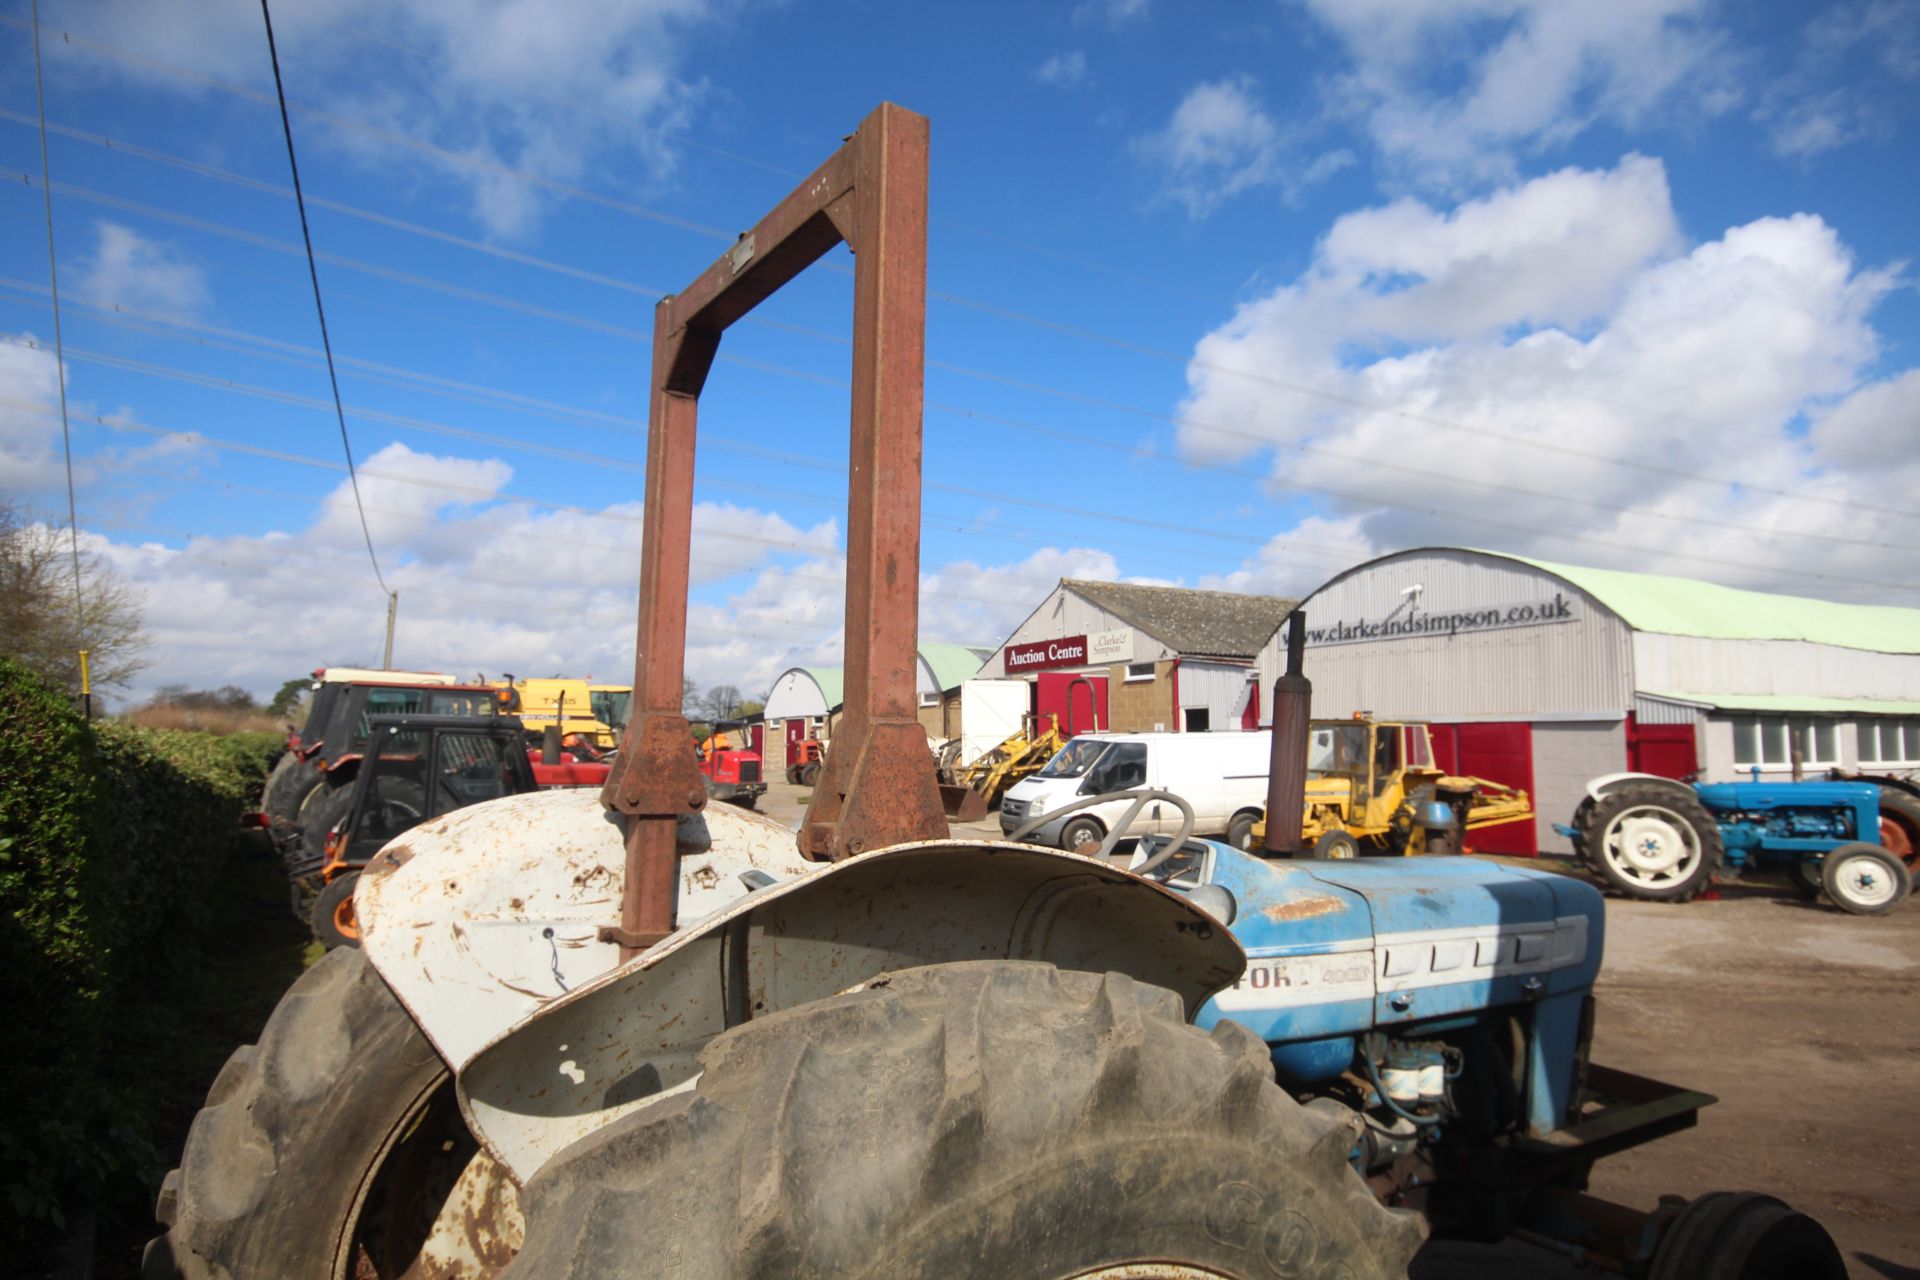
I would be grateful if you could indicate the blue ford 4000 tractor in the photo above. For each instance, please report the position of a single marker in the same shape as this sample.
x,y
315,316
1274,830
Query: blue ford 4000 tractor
x,y
1664,840
635,1035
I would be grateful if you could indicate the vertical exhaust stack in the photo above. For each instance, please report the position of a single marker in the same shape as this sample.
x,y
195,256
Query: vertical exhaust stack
x,y
1287,766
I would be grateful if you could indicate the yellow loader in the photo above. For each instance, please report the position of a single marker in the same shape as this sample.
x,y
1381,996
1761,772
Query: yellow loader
x,y
976,790
1372,787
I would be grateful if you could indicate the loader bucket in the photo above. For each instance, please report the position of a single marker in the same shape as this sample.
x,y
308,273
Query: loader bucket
x,y
963,804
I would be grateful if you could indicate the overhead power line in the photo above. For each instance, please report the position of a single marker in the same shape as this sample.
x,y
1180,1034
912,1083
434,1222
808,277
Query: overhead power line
x,y
59,342
319,308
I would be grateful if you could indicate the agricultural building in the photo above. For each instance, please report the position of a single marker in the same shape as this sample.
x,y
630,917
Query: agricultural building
x,y
1544,675
1133,658
805,701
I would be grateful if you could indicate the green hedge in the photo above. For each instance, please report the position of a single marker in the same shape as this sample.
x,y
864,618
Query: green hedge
x,y
111,839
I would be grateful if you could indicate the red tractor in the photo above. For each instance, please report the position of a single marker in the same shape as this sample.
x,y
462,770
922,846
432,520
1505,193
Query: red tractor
x,y
730,764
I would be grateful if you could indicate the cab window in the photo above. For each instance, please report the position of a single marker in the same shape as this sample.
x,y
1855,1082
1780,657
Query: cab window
x,y
1122,768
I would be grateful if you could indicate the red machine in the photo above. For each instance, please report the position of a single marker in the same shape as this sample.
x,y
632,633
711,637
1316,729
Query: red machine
x,y
730,764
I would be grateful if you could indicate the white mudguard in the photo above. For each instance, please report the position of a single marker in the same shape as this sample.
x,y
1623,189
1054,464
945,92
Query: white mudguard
x,y
484,924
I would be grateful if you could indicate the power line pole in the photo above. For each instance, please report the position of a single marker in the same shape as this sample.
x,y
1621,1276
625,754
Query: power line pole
x,y
393,607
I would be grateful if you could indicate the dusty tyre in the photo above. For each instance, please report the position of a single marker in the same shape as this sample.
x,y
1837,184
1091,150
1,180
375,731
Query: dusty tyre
x,y
289,784
1804,875
1079,831
1240,830
1585,837
326,1150
1655,843
1864,879
809,773
1336,844
1742,1235
333,920
993,1118
327,811
1900,827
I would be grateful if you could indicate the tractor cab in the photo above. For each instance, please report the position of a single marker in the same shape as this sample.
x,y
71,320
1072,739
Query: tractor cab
x,y
1360,771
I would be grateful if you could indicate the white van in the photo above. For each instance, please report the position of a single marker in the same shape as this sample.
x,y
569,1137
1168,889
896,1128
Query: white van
x,y
1222,775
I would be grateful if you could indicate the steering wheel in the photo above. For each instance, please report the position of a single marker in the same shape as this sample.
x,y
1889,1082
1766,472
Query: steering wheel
x,y
1140,797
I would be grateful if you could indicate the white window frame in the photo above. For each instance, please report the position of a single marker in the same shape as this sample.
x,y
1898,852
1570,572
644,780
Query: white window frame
x,y
930,699
1782,729
1136,677
1902,729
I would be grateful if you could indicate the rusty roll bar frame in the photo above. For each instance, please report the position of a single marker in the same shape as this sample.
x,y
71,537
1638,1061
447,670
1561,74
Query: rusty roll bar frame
x,y
877,785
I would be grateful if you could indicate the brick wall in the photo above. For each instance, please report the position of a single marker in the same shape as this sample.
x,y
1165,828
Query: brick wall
x,y
1138,706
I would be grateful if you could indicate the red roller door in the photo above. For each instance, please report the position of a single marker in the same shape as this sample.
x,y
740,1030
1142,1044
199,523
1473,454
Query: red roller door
x,y
1665,749
1063,694
1499,753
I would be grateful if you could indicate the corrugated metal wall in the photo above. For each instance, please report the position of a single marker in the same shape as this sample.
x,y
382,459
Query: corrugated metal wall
x,y
1579,664
1686,664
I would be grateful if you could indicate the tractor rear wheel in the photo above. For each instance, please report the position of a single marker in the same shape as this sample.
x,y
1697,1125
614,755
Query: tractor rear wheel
x,y
1743,1235
1864,879
291,781
992,1118
809,773
1900,827
333,1148
1657,843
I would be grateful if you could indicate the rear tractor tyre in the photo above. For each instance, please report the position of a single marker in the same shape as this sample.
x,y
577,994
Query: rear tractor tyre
x,y
1742,1235
1900,827
1585,838
291,781
1336,844
1240,830
333,1148
1804,875
809,773
334,922
1655,843
991,1118
1864,879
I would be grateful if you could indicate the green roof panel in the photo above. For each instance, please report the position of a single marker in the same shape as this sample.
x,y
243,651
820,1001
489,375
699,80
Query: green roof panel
x,y
1688,607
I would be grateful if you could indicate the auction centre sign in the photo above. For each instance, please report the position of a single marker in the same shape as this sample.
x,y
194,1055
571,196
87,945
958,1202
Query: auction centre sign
x,y
1039,655
1418,622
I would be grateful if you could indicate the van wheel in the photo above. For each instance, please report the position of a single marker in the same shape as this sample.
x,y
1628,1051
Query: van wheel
x,y
1240,830
1081,831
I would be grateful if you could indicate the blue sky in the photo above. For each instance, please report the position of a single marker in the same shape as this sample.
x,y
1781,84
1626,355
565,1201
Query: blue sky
x,y
1224,295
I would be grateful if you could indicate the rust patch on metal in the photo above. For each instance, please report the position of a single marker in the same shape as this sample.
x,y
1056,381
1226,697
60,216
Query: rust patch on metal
x,y
1302,909
390,859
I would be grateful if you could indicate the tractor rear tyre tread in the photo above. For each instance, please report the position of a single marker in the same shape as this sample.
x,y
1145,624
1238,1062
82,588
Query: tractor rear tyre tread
x,y
987,1118
323,815
1743,1235
280,1159
1683,805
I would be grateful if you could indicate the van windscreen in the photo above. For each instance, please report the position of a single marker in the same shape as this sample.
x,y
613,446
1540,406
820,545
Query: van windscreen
x,y
1074,759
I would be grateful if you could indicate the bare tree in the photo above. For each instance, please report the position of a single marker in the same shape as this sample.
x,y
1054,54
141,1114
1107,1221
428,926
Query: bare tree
x,y
722,702
40,625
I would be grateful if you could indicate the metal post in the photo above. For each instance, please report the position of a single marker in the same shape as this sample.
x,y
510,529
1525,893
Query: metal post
x,y
86,686
393,607
877,785
1287,764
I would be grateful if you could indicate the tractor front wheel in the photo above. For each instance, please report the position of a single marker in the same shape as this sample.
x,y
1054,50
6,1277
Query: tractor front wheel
x,y
1336,844
1864,879
992,1118
333,1148
1655,843
334,922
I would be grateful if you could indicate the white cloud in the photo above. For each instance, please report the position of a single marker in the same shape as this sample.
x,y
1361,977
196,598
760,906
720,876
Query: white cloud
x,y
29,416
1477,367
1846,73
1111,13
547,88
1451,93
1220,142
132,270
1063,70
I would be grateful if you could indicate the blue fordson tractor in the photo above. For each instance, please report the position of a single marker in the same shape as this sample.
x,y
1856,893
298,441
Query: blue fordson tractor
x,y
1662,840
